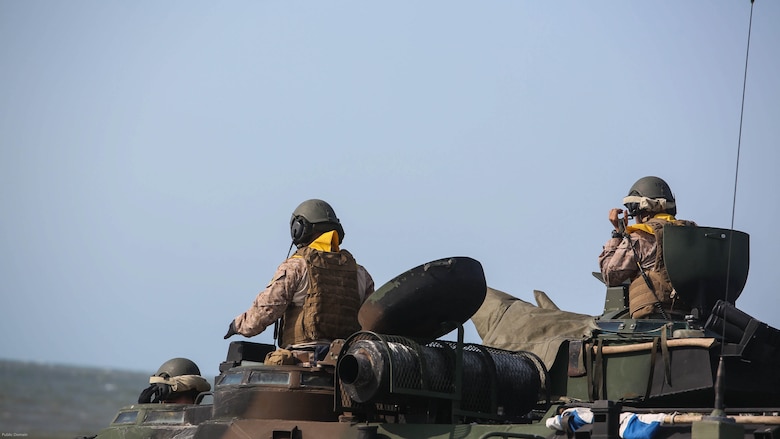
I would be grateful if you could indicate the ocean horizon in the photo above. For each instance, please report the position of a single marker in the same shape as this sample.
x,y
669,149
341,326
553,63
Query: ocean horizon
x,y
56,401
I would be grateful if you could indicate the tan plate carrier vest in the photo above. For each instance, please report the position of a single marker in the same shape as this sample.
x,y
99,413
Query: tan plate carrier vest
x,y
641,299
332,302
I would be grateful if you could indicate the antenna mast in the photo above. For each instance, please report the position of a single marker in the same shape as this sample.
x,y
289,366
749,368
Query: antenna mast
x,y
718,410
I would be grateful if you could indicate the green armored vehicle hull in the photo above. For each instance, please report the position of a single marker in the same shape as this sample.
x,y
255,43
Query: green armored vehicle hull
x,y
539,373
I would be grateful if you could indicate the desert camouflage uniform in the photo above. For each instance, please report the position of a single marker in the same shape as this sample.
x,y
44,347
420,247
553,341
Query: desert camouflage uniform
x,y
646,295
289,285
617,260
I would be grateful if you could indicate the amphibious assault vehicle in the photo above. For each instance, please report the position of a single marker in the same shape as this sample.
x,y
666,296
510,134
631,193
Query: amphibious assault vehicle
x,y
540,372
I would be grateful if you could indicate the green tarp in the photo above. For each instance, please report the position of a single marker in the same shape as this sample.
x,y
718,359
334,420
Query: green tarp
x,y
506,322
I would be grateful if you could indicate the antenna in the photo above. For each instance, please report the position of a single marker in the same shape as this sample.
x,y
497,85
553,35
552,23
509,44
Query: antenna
x,y
741,114
718,410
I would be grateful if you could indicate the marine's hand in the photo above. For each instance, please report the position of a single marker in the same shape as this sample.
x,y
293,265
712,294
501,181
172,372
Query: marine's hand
x,y
146,395
162,392
231,331
157,392
614,218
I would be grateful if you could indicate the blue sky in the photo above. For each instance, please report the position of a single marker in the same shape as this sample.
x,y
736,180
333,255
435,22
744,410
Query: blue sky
x,y
151,152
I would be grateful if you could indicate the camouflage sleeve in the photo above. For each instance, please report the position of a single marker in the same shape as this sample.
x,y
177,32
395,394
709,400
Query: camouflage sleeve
x,y
617,262
365,283
617,259
271,303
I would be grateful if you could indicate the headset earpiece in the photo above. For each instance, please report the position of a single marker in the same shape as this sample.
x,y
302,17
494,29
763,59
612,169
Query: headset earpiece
x,y
299,229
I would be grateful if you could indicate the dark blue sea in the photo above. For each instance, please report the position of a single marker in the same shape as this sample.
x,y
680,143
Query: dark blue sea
x,y
56,401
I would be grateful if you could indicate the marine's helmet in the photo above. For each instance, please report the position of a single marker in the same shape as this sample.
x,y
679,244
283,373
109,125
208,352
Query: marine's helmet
x,y
650,194
177,367
312,218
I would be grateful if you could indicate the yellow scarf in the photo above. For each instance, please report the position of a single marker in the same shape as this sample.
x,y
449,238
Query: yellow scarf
x,y
327,242
646,228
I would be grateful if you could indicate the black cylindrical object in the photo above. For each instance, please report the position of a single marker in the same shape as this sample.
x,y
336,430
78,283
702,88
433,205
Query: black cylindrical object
x,y
379,369
731,314
731,333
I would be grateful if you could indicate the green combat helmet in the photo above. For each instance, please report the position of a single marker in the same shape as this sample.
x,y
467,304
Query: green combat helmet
x,y
312,218
177,378
650,188
177,367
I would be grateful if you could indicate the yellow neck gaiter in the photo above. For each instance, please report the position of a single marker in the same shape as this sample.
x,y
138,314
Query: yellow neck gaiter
x,y
327,242
645,227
